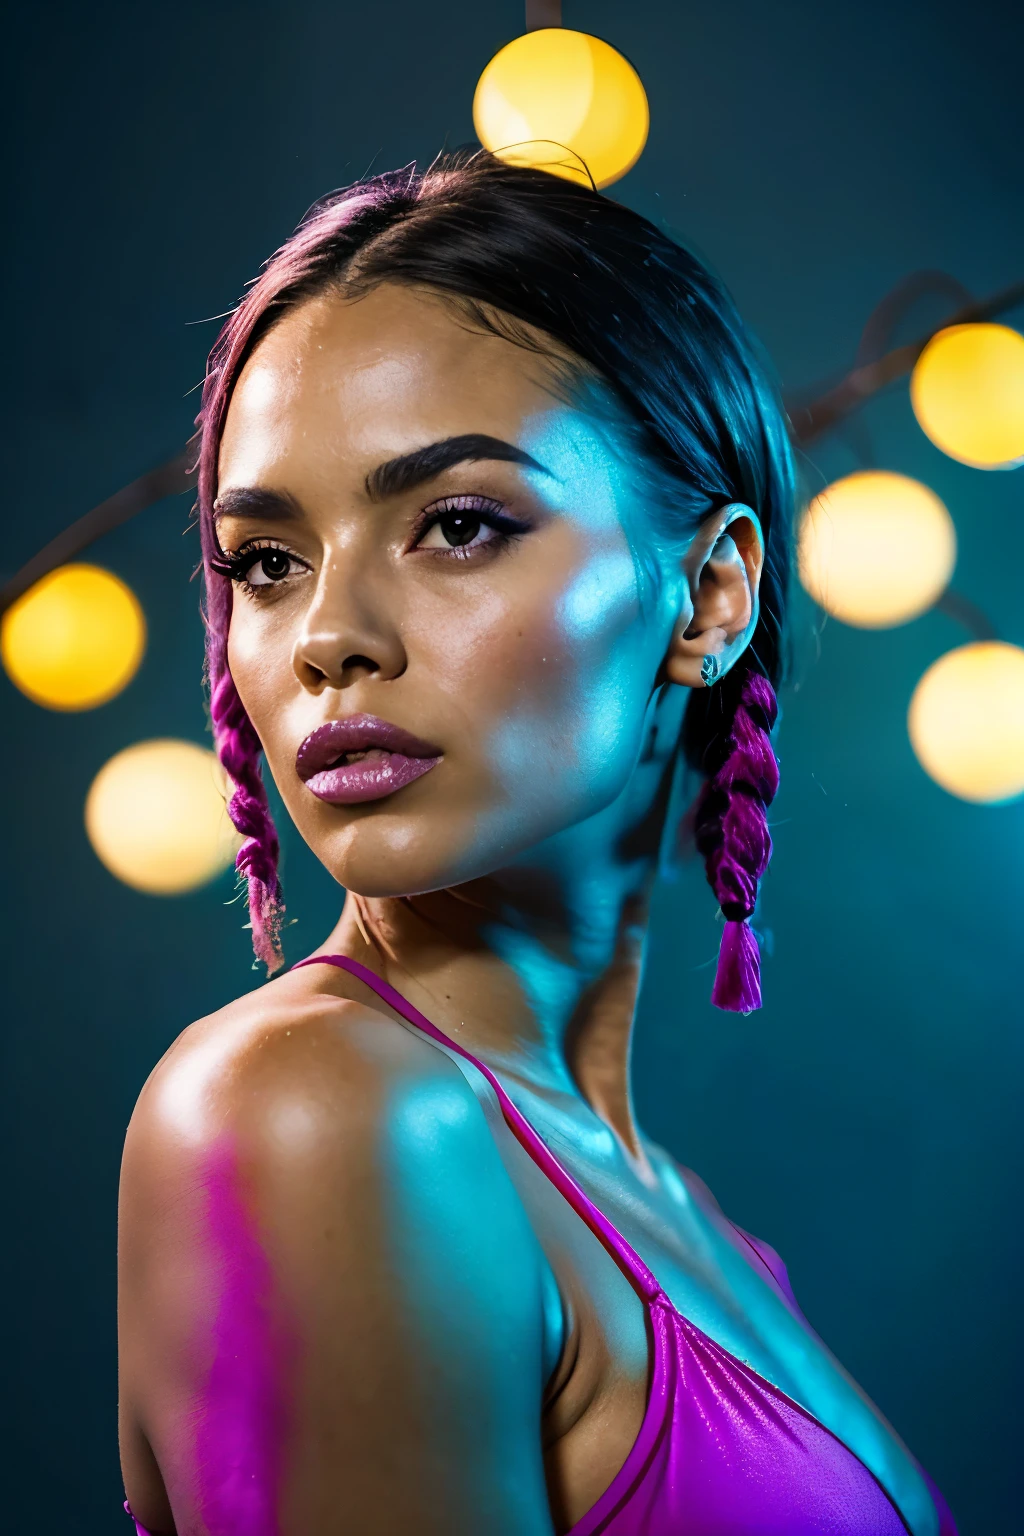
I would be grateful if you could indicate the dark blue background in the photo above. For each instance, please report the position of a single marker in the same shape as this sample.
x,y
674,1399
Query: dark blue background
x,y
867,1121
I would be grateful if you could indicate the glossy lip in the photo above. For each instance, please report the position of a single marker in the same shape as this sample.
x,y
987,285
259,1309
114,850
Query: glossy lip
x,y
395,758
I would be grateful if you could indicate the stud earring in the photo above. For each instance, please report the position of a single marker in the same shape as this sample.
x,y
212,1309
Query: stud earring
x,y
710,668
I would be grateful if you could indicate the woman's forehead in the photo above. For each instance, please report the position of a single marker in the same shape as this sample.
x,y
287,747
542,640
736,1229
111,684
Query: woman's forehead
x,y
390,344
371,378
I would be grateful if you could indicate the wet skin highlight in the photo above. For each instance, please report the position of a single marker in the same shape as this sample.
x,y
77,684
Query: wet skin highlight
x,y
526,655
504,613
536,662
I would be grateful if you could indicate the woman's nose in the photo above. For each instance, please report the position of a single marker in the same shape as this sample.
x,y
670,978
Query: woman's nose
x,y
347,634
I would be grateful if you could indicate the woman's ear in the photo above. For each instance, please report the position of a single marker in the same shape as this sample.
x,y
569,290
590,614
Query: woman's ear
x,y
723,571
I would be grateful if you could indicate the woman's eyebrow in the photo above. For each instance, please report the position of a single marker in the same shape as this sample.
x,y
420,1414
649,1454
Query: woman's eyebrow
x,y
411,469
251,501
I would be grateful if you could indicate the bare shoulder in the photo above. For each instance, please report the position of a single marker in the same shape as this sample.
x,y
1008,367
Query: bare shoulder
x,y
349,1151
285,1019
352,1149
312,1200
291,1072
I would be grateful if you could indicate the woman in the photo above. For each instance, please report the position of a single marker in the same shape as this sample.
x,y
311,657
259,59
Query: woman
x,y
494,501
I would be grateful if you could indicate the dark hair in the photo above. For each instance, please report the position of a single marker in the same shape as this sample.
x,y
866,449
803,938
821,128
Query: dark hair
x,y
652,323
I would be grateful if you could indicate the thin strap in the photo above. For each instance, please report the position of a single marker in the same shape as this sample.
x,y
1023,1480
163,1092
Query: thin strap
x,y
627,1257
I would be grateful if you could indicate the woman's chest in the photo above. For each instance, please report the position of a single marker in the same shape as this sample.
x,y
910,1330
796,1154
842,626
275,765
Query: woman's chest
x,y
723,1285
715,1278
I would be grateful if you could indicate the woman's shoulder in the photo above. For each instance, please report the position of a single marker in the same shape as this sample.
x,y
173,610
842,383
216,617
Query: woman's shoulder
x,y
343,1068
310,1181
343,1136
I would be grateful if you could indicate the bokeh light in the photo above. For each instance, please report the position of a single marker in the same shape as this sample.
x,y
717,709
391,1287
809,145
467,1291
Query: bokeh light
x,y
156,817
555,90
75,639
876,549
967,390
966,721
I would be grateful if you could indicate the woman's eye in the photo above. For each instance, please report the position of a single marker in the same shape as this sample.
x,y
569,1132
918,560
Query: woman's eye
x,y
261,566
457,530
268,566
458,525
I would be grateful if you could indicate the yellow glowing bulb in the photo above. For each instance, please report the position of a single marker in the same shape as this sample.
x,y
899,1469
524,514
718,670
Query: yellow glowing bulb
x,y
876,549
966,721
967,391
155,815
564,102
75,639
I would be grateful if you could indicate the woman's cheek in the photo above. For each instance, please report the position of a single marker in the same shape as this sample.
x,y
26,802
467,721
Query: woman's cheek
x,y
572,600
260,663
487,653
562,700
246,657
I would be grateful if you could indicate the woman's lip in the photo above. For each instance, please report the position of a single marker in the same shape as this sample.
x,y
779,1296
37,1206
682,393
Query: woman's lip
x,y
372,778
395,757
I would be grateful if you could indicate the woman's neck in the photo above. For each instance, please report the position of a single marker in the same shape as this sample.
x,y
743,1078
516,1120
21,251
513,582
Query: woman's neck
x,y
543,992
536,968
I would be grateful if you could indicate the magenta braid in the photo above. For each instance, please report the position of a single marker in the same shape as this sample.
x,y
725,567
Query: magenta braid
x,y
731,830
238,748
308,257
679,359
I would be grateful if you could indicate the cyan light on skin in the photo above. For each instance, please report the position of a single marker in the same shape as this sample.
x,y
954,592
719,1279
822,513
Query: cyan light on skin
x,y
574,754
602,634
240,1417
606,639
444,1207
608,583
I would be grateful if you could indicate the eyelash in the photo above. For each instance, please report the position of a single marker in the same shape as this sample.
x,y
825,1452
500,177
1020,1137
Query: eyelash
x,y
490,513
236,564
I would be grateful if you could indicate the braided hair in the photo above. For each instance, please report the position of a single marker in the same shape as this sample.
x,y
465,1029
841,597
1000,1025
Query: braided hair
x,y
522,248
731,831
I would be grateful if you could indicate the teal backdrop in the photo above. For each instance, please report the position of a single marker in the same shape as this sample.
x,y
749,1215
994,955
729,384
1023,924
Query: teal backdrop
x,y
867,1121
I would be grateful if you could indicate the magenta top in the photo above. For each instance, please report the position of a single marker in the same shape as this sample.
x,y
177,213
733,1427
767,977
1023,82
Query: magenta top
x,y
721,1452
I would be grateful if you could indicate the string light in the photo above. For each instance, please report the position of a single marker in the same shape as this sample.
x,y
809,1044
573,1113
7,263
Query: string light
x,y
564,102
876,549
966,721
156,817
967,390
75,639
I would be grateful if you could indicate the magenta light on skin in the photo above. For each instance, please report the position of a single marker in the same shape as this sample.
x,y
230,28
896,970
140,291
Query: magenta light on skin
x,y
240,1416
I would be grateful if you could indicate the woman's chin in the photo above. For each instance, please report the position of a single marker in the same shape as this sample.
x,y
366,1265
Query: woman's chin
x,y
380,856
378,867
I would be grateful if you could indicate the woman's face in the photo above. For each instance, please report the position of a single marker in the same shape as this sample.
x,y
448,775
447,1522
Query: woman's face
x,y
436,628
